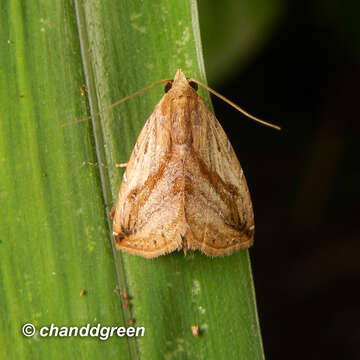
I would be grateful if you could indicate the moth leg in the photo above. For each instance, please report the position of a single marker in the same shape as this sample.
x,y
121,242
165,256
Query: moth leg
x,y
112,213
121,165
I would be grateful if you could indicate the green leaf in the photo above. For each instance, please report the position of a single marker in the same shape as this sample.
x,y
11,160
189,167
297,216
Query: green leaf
x,y
58,184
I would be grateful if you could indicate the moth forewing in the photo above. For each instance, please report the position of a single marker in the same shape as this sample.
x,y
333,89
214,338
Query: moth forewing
x,y
183,187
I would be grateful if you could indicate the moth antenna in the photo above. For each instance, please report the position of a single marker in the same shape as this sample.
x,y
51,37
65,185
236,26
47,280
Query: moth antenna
x,y
116,103
237,107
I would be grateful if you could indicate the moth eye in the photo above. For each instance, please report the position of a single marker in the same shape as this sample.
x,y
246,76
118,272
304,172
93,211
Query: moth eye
x,y
194,85
168,86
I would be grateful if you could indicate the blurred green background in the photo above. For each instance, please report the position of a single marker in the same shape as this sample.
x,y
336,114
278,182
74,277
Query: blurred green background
x,y
303,74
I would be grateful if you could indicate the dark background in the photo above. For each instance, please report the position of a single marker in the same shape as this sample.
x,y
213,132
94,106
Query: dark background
x,y
304,180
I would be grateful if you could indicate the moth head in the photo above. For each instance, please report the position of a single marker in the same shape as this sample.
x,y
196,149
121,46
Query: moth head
x,y
170,83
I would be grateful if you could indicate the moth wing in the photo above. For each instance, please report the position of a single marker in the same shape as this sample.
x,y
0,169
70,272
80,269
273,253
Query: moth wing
x,y
149,218
218,205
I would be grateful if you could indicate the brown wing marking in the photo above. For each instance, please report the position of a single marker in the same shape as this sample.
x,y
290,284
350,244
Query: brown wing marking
x,y
153,221
218,207
149,218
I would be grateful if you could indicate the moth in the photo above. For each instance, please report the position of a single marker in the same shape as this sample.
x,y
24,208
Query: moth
x,y
183,188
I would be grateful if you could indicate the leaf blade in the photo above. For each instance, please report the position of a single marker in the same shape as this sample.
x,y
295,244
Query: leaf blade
x,y
57,228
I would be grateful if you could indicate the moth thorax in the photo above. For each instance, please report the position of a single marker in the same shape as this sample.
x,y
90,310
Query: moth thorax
x,y
181,129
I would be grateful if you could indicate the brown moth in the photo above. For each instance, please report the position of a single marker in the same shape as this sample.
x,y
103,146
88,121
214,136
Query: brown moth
x,y
183,187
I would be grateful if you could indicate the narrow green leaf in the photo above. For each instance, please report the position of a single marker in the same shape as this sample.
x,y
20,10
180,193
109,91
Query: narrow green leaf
x,y
58,184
